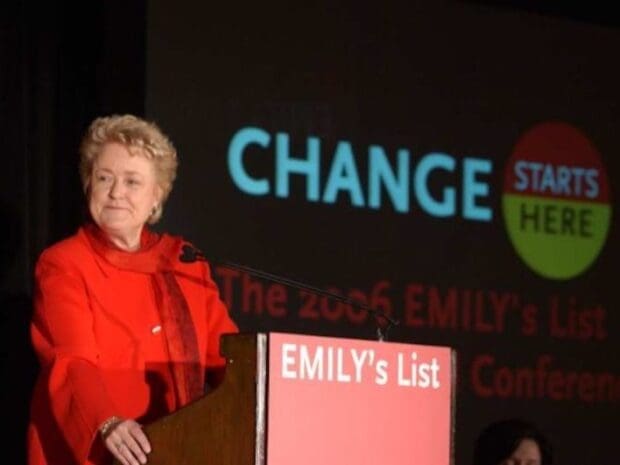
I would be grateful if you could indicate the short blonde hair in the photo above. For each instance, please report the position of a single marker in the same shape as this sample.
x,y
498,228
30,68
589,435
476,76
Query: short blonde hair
x,y
140,137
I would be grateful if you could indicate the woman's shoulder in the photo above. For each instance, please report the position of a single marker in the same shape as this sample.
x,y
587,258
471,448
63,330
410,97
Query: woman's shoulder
x,y
71,248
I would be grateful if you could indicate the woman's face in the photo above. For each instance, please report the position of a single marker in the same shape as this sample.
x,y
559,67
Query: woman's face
x,y
123,192
528,453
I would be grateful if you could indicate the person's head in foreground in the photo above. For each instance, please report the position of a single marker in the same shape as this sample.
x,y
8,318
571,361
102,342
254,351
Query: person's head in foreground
x,y
512,442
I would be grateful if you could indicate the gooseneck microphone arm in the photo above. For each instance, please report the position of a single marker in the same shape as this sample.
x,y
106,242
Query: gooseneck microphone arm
x,y
191,254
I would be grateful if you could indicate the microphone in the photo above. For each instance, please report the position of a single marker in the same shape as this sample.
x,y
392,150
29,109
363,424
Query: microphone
x,y
190,254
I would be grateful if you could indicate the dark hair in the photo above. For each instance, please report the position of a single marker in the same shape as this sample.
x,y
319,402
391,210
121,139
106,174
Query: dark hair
x,y
500,439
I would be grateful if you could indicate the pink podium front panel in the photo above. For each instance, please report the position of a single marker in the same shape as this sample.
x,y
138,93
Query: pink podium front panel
x,y
349,401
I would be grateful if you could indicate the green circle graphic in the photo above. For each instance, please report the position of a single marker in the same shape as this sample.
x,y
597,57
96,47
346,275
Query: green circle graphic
x,y
556,238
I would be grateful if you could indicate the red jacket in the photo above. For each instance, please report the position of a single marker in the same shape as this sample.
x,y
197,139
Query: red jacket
x,y
98,332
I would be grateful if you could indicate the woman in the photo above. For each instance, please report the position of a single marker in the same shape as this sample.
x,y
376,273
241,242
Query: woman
x,y
512,442
124,330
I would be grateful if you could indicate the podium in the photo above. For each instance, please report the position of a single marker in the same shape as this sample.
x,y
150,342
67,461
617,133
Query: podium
x,y
295,399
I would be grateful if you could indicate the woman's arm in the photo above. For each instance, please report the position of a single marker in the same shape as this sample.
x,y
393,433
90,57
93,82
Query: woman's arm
x,y
64,340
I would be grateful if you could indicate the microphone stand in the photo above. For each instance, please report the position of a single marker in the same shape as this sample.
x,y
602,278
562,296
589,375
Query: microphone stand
x,y
191,254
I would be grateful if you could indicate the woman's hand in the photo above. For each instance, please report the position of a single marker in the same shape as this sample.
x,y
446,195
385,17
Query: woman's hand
x,y
125,440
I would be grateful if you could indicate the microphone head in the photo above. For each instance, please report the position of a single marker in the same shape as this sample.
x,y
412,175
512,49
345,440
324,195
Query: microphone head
x,y
188,254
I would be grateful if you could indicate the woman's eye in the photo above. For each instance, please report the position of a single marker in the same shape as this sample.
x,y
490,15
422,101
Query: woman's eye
x,y
133,182
103,177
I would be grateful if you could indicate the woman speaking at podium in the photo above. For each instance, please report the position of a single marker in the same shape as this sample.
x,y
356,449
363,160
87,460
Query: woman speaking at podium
x,y
124,331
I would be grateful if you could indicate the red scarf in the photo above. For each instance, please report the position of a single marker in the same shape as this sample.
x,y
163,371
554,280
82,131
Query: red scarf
x,y
156,257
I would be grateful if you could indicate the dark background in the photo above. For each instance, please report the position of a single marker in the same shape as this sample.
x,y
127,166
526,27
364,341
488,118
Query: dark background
x,y
467,78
